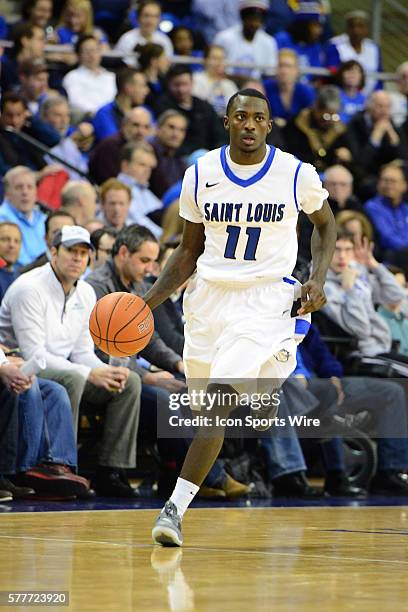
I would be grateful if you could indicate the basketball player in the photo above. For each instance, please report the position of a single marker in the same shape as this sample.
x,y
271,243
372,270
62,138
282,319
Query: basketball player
x,y
240,205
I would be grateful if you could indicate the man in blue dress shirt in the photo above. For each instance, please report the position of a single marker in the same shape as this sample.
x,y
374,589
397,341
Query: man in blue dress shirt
x,y
19,206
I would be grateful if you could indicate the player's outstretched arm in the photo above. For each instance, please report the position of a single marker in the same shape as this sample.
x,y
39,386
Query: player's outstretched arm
x,y
322,246
180,265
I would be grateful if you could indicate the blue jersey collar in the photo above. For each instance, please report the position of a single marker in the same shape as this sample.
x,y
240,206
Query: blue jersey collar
x,y
253,179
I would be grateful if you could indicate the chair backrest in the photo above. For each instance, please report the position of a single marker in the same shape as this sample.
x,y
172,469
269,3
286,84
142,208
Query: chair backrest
x,y
329,328
341,344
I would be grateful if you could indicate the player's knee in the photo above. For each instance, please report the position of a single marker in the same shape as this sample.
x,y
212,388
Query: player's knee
x,y
222,398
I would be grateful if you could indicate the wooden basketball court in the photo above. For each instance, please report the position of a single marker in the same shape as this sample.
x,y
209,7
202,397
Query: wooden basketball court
x,y
303,559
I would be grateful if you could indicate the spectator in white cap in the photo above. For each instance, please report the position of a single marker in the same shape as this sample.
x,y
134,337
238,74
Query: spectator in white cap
x,y
48,309
247,42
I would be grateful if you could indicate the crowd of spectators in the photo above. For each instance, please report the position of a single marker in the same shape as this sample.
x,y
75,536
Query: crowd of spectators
x,y
95,137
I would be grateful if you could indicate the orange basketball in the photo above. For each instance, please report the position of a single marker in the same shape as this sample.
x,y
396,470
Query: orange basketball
x,y
121,324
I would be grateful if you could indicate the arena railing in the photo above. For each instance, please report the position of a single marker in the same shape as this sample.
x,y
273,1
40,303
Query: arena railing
x,y
266,70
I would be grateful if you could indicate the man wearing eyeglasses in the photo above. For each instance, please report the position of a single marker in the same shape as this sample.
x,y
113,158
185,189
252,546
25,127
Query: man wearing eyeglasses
x,y
317,135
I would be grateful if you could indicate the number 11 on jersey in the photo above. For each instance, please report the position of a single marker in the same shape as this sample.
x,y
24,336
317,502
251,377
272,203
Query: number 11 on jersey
x,y
233,232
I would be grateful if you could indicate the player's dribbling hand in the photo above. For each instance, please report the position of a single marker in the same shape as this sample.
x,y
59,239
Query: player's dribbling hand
x,y
312,297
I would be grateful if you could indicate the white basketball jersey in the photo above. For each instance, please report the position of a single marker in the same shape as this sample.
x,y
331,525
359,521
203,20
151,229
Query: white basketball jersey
x,y
249,213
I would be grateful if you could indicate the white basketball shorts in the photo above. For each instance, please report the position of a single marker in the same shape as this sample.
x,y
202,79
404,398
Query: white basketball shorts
x,y
241,332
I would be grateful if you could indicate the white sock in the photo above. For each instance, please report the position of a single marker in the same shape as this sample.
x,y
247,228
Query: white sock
x,y
183,494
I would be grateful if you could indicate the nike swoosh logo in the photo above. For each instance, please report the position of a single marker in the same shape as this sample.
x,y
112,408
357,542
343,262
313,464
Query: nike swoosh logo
x,y
208,185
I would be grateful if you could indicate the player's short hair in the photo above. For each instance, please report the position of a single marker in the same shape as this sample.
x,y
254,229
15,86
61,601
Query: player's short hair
x,y
132,237
249,93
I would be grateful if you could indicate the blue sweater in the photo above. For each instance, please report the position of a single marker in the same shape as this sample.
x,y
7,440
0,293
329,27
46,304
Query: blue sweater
x,y
303,97
351,105
107,121
390,222
317,358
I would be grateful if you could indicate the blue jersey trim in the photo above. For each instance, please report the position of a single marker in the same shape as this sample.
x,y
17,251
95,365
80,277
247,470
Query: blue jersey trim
x,y
290,281
253,179
196,182
302,327
294,184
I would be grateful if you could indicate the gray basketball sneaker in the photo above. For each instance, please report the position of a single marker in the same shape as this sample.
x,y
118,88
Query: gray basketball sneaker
x,y
262,417
167,529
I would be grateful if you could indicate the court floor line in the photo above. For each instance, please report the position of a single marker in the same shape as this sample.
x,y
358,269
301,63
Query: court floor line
x,y
286,508
209,549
